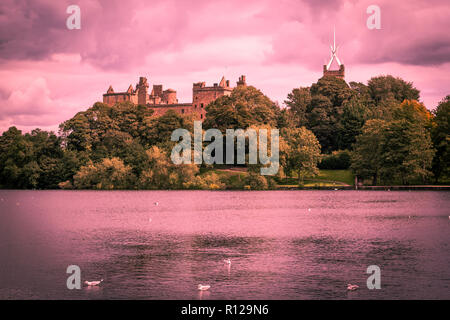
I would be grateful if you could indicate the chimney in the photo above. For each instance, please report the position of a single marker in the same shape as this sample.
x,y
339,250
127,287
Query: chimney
x,y
241,81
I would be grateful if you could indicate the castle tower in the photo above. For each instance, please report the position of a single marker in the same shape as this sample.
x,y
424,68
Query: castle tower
x,y
241,81
340,73
142,89
169,96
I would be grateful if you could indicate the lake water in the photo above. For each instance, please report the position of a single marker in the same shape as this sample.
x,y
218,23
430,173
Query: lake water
x,y
282,244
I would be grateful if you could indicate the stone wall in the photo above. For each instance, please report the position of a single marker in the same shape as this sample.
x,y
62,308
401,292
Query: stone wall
x,y
335,73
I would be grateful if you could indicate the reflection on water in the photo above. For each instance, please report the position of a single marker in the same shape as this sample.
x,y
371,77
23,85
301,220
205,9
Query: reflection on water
x,y
281,244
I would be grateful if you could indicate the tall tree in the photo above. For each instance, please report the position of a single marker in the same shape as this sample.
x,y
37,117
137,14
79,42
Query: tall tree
x,y
354,115
407,152
299,152
367,156
298,102
440,134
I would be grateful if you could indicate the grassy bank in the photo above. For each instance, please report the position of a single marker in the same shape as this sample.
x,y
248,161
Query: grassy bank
x,y
326,178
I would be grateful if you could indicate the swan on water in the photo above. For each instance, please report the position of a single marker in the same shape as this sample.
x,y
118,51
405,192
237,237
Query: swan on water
x,y
93,283
227,261
156,203
203,288
352,287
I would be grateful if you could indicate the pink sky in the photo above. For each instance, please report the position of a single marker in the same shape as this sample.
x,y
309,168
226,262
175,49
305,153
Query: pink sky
x,y
48,73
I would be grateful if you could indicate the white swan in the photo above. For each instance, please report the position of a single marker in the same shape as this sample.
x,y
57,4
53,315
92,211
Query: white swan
x,y
203,288
352,287
227,261
93,283
156,203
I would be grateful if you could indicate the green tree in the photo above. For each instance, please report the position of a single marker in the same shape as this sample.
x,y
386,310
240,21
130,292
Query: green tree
x,y
355,114
159,130
299,152
15,152
393,150
323,122
383,88
298,102
407,152
328,96
245,106
108,174
367,155
335,89
87,129
161,173
441,139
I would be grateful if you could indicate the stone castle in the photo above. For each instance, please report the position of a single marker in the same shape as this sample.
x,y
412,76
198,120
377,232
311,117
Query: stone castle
x,y
160,101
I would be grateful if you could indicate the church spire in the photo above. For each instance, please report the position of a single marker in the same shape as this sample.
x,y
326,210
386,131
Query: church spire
x,y
340,73
334,50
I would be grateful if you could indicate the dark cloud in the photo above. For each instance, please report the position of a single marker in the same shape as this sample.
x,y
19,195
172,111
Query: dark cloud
x,y
118,35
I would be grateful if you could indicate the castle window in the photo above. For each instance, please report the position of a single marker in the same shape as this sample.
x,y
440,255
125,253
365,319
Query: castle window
x,y
201,116
182,110
195,106
201,105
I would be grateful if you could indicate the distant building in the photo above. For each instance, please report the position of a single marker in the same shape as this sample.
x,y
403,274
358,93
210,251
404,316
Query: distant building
x,y
160,101
340,73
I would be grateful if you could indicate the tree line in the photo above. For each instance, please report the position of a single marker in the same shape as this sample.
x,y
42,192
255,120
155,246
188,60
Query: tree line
x,y
379,130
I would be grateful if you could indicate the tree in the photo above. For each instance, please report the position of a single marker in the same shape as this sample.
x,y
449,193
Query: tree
x,y
32,160
407,152
159,130
299,152
335,89
245,106
354,115
87,129
387,87
108,174
367,153
440,134
322,121
161,173
393,150
256,181
414,112
298,102
286,119
15,153
328,96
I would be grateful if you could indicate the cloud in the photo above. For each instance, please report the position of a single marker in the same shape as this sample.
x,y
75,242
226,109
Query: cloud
x,y
120,34
49,72
31,106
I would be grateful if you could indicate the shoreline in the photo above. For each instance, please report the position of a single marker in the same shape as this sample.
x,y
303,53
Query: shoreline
x,y
289,188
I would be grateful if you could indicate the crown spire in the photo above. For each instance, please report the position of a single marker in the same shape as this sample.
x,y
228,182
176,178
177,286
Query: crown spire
x,y
334,50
